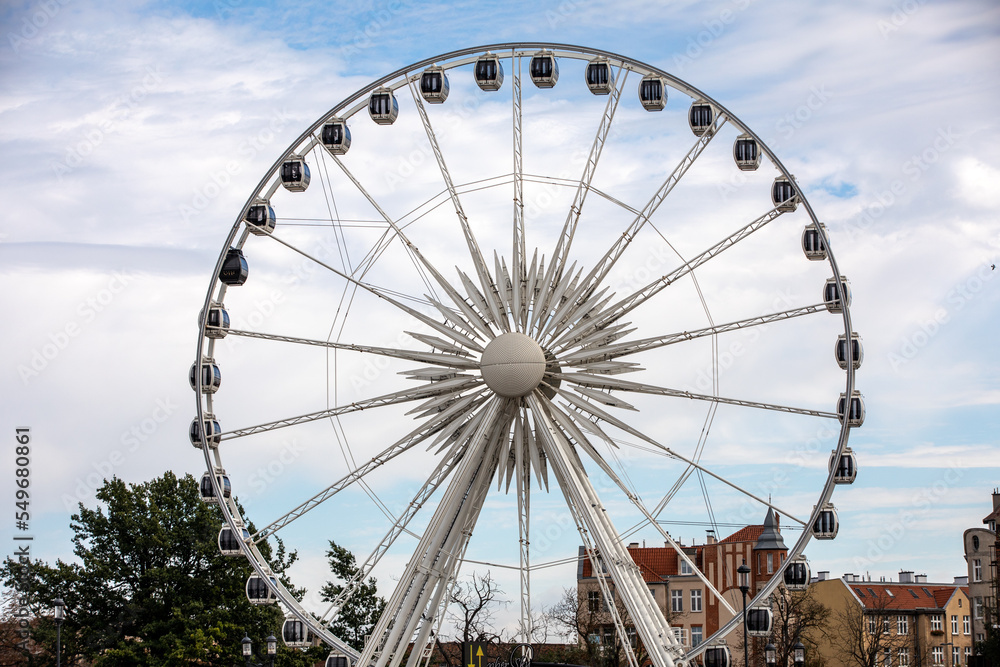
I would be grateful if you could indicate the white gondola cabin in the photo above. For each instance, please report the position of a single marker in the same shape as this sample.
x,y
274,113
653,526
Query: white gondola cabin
x,y
218,321
759,621
855,415
797,574
260,218
814,241
213,432
208,491
857,351
717,656
383,107
844,467
746,152
827,524
296,634
544,69
489,72
336,660
653,93
235,269
211,376
259,592
600,78
701,118
336,136
434,85
832,297
229,544
294,174
783,194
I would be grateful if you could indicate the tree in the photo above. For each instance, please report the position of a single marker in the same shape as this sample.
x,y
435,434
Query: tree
x,y
360,613
472,605
150,587
865,633
797,616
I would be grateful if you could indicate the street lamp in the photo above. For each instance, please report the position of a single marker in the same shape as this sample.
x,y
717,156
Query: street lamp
x,y
58,615
743,578
798,654
272,647
770,655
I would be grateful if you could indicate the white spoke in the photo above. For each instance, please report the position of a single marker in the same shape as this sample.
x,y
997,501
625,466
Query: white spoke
x,y
519,313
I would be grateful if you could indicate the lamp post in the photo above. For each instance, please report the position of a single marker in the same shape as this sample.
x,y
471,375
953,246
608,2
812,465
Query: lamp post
x,y
770,655
798,654
272,648
58,614
743,573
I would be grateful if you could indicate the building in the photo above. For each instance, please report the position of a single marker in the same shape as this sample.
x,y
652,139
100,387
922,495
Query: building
x,y
981,557
908,623
680,593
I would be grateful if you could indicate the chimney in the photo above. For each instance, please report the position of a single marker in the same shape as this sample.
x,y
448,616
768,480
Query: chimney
x,y
905,577
962,581
921,578
996,499
848,576
710,536
633,545
823,575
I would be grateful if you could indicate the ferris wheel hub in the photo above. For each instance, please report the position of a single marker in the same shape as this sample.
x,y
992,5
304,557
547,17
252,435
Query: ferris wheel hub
x,y
512,365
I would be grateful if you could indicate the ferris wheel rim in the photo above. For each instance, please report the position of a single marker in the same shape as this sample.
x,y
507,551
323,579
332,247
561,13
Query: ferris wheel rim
x,y
452,60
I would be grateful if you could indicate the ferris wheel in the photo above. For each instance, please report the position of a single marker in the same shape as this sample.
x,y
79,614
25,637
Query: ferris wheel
x,y
487,281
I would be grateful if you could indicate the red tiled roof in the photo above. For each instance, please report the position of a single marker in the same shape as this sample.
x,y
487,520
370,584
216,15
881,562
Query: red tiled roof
x,y
903,596
655,563
746,534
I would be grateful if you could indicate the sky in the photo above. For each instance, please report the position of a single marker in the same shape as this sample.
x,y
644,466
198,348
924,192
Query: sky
x,y
134,132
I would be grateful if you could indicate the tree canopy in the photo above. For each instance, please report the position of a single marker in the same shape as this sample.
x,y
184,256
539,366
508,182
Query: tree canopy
x,y
150,587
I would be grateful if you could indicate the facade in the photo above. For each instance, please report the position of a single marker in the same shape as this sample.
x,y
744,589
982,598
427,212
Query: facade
x,y
693,612
909,623
981,545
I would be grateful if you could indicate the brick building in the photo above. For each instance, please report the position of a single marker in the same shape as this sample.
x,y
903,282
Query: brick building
x,y
693,612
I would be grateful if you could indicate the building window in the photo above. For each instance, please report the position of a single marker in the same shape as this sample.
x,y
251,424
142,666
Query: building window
x,y
954,624
685,567
903,625
632,638
770,563
968,654
872,625
677,601
885,625
955,657
696,636
977,570
935,622
696,600
937,654
977,607
966,625
903,657
593,601
887,657
681,635
594,638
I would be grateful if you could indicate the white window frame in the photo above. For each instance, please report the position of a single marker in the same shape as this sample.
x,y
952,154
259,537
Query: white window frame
x,y
954,624
681,635
701,635
872,624
977,570
966,625
902,625
903,657
937,655
677,601
936,622
695,599
685,567
594,601
956,657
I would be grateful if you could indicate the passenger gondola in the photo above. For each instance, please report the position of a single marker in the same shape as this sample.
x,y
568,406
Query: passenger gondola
x,y
383,107
701,118
746,152
814,241
857,351
783,194
434,85
846,470
213,432
653,93
260,218
600,78
832,297
235,269
295,174
336,136
211,376
489,72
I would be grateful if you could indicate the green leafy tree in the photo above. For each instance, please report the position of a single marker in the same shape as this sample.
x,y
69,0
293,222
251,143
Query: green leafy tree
x,y
362,610
150,587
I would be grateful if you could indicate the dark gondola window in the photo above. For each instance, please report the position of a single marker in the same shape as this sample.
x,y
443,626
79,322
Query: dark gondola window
x,y
430,82
746,150
290,172
701,116
651,91
486,70
598,74
541,67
